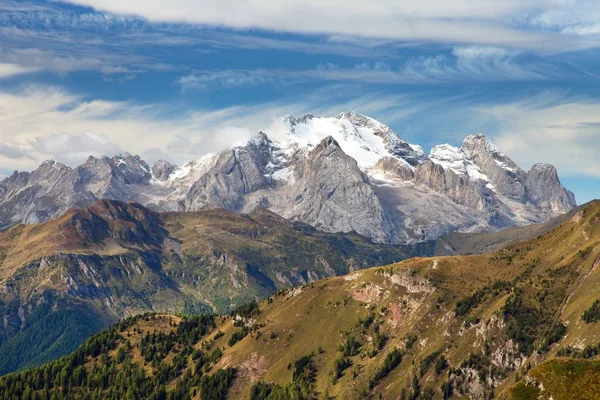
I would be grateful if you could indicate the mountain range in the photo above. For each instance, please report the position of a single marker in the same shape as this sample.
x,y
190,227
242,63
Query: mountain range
x,y
345,174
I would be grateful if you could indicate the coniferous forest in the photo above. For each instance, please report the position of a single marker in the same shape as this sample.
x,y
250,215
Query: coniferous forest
x,y
104,366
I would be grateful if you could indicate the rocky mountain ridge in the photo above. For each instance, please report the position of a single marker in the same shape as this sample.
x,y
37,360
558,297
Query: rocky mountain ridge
x,y
343,174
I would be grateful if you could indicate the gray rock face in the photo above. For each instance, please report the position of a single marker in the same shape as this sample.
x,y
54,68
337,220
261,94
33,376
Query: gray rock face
x,y
234,174
509,194
503,173
335,194
162,169
349,173
446,181
132,169
394,168
546,191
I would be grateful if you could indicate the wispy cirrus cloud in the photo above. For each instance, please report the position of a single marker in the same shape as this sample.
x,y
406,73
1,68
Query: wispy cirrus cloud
x,y
553,127
457,22
33,59
462,64
27,24
8,70
225,79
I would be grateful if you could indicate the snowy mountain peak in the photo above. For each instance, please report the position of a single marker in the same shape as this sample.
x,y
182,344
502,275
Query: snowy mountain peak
x,y
293,121
449,156
455,159
362,120
362,138
477,147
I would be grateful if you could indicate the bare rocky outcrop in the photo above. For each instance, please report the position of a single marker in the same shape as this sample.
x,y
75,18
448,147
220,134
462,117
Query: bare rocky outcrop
x,y
546,191
394,169
162,169
446,181
336,194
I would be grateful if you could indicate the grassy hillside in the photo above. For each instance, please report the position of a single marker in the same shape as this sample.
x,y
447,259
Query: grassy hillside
x,y
66,279
479,243
499,325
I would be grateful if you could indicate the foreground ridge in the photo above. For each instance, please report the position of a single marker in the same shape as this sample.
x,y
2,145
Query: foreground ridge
x,y
441,327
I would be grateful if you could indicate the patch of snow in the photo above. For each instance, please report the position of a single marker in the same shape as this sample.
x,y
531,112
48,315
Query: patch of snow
x,y
284,174
449,157
505,166
182,171
417,149
359,141
453,158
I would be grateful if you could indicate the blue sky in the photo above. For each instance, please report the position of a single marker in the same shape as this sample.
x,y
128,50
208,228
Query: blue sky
x,y
179,79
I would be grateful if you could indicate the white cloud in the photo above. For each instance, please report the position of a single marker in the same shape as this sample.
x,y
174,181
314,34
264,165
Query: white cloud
x,y
551,128
40,122
33,59
9,70
328,66
72,148
465,64
578,17
377,66
485,61
457,21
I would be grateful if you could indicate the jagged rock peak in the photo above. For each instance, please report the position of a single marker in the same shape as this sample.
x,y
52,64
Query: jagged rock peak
x,y
293,121
543,167
477,144
328,142
53,164
317,170
132,168
358,119
162,169
546,191
479,139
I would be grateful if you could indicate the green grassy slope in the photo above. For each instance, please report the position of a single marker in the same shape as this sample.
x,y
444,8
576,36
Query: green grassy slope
x,y
482,326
